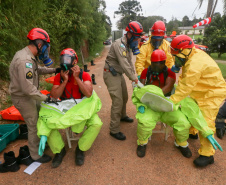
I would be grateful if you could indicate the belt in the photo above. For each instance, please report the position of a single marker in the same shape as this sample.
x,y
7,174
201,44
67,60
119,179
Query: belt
x,y
107,70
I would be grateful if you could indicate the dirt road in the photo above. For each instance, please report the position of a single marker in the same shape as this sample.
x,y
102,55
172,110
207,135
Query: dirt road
x,y
110,161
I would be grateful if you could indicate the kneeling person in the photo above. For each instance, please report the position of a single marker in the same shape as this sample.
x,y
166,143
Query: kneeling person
x,y
72,83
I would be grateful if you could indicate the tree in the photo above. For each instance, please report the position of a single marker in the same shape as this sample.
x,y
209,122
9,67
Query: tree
x,y
129,11
173,25
211,7
215,37
186,21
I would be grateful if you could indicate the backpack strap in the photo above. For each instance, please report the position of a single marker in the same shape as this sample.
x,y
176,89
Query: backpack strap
x,y
148,76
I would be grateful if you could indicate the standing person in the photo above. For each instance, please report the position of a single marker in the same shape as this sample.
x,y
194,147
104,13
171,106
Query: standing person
x,y
156,41
119,61
202,80
24,82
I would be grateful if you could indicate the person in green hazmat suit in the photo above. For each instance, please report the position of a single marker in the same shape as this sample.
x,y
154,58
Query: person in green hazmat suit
x,y
153,106
78,108
202,80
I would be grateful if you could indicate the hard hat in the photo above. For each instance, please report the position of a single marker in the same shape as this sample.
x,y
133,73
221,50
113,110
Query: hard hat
x,y
181,42
38,33
135,28
158,29
158,55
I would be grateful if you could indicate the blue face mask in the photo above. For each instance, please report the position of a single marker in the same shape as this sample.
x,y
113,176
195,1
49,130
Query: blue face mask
x,y
134,46
45,56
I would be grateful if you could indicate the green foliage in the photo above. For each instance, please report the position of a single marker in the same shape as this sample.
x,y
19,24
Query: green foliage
x,y
215,35
68,23
223,69
45,86
215,56
129,11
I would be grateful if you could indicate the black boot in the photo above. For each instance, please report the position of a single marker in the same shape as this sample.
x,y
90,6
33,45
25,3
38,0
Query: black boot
x,y
92,63
93,79
141,149
23,132
79,156
202,161
191,136
127,119
24,156
10,164
220,132
85,68
186,152
44,159
119,136
57,160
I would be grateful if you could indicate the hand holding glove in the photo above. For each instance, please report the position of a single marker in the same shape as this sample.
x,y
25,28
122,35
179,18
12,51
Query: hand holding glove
x,y
42,145
214,142
175,69
48,99
141,109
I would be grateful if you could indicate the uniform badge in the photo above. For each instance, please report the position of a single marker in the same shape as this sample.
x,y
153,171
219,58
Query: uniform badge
x,y
28,65
124,53
122,45
29,75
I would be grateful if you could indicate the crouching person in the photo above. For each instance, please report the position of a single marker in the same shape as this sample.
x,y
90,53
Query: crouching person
x,y
78,108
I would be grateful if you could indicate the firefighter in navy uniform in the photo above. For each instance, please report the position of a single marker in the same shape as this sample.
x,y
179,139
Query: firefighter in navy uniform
x,y
24,82
119,61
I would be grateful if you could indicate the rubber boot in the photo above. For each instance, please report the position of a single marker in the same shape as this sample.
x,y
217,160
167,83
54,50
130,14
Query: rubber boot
x,y
141,150
185,151
93,79
23,132
220,132
10,164
58,158
92,63
85,68
24,156
191,136
79,156
203,161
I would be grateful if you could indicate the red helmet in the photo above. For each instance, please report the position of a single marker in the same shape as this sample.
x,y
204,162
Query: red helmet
x,y
181,42
158,55
70,52
135,28
158,29
38,33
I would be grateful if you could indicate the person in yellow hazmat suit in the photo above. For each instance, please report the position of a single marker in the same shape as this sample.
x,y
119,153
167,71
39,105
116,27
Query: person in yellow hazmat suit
x,y
202,80
156,41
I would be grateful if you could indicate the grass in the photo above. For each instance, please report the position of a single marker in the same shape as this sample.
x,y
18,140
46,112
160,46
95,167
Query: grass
x,y
215,56
196,36
223,69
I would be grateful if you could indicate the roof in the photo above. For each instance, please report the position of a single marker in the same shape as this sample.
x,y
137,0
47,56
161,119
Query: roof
x,y
190,28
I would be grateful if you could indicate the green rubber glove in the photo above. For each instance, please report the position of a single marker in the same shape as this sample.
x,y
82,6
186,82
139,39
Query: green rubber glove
x,y
138,77
42,145
141,109
214,142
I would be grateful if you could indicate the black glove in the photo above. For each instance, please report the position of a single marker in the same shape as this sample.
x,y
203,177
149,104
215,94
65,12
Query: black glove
x,y
48,98
58,70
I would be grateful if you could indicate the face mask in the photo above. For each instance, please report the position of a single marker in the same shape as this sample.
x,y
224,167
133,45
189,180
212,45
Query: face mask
x,y
175,69
45,56
66,62
179,62
156,41
133,44
157,67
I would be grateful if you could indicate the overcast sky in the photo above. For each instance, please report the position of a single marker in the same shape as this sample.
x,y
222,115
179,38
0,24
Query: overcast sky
x,y
165,8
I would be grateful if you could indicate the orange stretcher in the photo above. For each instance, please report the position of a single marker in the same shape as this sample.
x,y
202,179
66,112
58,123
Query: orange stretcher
x,y
50,79
12,113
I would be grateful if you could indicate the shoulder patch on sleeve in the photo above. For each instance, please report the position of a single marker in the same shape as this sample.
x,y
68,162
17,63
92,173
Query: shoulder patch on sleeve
x,y
28,65
124,53
29,75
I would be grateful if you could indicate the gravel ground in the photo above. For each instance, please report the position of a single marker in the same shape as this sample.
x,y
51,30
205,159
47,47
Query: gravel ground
x,y
110,161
